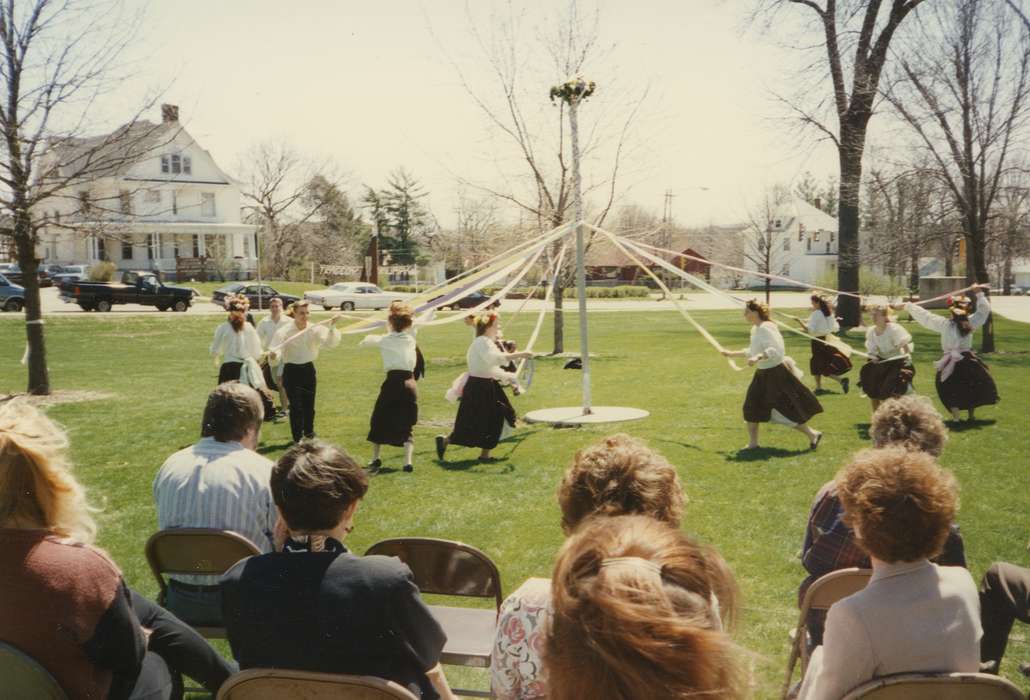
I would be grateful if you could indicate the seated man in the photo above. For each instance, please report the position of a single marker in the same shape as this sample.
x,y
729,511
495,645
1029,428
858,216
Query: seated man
x,y
913,616
314,606
910,422
1004,598
221,483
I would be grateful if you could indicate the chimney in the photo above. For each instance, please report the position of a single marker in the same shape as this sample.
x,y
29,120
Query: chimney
x,y
170,114
818,203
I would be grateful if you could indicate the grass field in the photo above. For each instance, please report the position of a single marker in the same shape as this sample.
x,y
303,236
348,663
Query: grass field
x,y
752,507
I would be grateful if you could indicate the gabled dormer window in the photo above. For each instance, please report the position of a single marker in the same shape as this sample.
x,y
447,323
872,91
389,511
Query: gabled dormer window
x,y
187,165
175,164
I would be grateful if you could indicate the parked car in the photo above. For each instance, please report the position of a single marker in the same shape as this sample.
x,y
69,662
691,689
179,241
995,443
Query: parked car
x,y
469,301
12,296
14,274
135,288
258,294
70,273
354,295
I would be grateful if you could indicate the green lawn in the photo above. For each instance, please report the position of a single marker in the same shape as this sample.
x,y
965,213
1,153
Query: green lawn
x,y
752,508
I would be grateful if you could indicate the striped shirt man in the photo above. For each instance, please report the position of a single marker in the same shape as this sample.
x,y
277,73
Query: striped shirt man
x,y
220,485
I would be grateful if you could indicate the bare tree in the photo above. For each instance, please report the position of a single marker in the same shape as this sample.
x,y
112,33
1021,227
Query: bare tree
x,y
856,38
276,187
520,69
1013,224
59,59
963,86
766,245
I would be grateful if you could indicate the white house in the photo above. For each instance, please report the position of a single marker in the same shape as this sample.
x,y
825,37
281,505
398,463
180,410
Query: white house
x,y
158,196
804,244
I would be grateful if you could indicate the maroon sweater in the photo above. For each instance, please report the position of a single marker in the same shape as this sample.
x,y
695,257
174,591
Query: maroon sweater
x,y
66,605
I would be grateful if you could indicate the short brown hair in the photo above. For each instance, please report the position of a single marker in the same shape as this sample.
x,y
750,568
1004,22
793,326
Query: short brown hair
x,y
314,483
400,316
232,410
899,503
759,308
638,613
620,476
910,422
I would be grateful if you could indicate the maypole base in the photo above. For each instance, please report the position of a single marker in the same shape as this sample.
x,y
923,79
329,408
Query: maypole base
x,y
573,415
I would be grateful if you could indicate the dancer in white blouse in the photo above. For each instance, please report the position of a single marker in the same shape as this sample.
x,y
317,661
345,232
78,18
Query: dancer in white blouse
x,y
266,329
235,341
890,371
297,344
396,408
827,360
776,393
963,380
483,408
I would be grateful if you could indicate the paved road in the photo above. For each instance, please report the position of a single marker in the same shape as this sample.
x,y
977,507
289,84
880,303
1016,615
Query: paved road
x,y
1016,308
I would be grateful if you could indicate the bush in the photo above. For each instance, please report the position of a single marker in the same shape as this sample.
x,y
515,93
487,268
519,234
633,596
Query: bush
x,y
870,282
404,288
102,271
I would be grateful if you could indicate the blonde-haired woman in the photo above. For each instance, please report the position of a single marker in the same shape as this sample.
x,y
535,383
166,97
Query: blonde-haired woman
x,y
63,601
827,360
396,407
890,371
639,612
776,393
483,407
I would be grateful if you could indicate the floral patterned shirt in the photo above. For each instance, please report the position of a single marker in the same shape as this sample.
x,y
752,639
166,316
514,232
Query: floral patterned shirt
x,y
516,666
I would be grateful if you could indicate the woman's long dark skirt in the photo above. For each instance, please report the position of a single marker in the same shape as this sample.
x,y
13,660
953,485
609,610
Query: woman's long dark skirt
x,y
229,372
300,382
482,411
885,380
970,384
396,410
777,388
828,361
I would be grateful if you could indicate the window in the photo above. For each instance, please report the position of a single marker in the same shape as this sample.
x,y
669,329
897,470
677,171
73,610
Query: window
x,y
827,246
57,215
778,223
187,165
207,204
152,197
196,245
785,271
176,164
101,253
84,203
150,246
175,202
801,232
175,246
126,250
815,236
786,244
809,244
246,246
125,201
166,164
833,236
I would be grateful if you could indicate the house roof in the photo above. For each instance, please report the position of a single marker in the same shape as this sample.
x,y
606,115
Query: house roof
x,y
603,254
112,154
810,217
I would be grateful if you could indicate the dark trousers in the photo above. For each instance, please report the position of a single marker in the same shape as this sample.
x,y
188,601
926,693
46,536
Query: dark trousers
x,y
199,606
180,647
1004,598
300,382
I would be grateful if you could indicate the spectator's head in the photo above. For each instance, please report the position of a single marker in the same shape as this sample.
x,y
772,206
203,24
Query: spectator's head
x,y
37,489
400,317
899,503
620,476
910,422
233,414
756,312
316,487
638,607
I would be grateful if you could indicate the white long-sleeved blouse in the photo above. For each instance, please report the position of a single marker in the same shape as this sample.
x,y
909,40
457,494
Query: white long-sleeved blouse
x,y
396,349
766,338
820,325
485,360
267,328
236,346
951,339
305,348
889,343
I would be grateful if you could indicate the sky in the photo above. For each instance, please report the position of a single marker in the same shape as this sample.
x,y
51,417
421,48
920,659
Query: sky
x,y
372,86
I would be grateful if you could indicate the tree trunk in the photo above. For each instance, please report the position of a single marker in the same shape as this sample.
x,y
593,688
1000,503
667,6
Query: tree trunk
x,y
913,272
848,255
976,272
768,285
559,314
39,376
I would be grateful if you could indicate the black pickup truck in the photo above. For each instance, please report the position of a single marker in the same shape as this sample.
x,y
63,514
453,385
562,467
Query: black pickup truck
x,y
135,288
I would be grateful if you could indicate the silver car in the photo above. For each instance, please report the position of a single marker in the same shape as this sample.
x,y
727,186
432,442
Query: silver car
x,y
354,295
12,296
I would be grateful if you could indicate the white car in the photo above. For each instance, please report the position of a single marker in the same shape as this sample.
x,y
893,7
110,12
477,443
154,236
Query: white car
x,y
353,295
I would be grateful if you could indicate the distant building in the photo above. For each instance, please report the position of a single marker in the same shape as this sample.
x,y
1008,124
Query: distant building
x,y
804,244
607,265
161,197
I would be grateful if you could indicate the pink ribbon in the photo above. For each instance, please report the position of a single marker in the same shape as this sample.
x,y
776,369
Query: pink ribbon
x,y
946,365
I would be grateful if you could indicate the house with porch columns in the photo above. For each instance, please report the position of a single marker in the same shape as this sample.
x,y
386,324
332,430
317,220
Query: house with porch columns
x,y
156,196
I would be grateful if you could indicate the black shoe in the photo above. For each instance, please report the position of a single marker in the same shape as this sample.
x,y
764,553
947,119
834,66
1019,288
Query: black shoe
x,y
441,446
845,384
409,468
374,465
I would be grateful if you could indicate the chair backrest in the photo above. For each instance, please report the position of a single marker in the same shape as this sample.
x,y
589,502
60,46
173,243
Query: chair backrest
x,y
828,589
21,676
444,567
197,551
276,684
937,686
